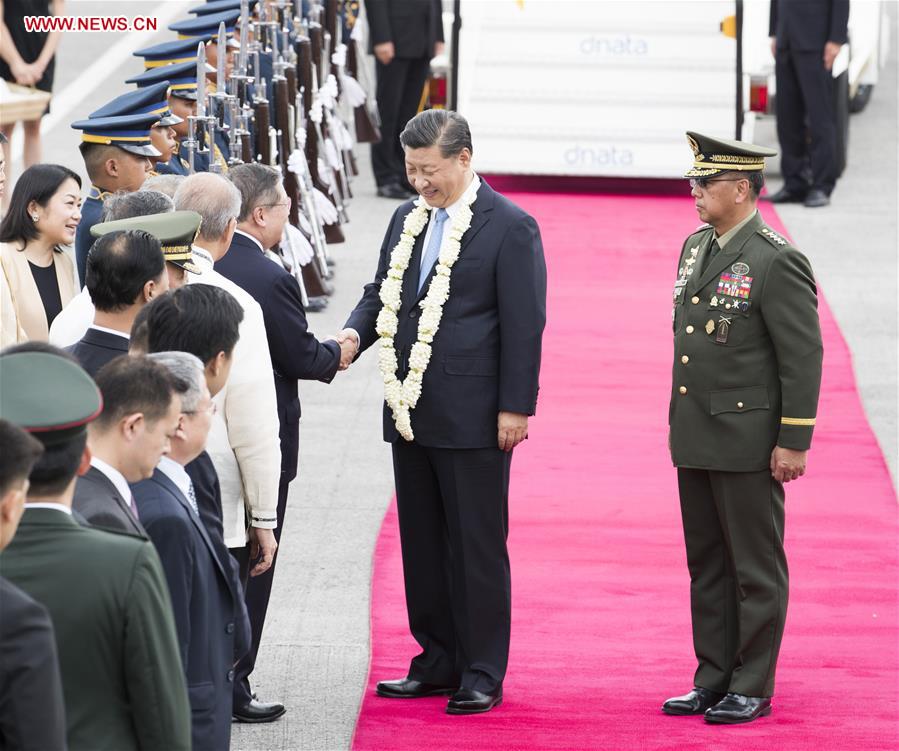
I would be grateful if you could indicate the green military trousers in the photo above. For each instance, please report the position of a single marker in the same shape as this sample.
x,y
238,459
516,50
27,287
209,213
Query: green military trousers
x,y
734,532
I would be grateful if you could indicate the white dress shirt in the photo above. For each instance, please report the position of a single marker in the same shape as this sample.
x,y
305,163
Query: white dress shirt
x,y
244,442
107,330
115,477
73,320
52,506
177,474
453,211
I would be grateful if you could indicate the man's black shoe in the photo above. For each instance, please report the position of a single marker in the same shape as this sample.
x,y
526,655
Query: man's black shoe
x,y
816,198
316,304
407,688
696,702
786,196
469,701
734,709
257,711
393,190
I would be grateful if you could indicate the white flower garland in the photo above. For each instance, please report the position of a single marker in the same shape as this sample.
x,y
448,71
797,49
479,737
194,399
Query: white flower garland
x,y
402,396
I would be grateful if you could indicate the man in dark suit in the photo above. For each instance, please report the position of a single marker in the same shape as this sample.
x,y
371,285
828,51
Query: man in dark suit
x,y
203,601
295,353
32,713
204,321
806,36
746,377
452,460
106,593
405,35
125,270
139,421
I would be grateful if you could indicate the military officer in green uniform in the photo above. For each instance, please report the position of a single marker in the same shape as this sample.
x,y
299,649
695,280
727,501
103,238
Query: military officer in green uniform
x,y
747,371
122,678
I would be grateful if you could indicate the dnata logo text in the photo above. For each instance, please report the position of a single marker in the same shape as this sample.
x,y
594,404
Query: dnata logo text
x,y
614,46
598,156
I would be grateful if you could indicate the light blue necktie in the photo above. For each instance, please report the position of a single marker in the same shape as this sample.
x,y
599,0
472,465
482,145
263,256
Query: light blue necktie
x,y
433,250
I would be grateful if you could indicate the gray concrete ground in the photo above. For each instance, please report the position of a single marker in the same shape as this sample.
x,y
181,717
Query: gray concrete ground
x,y
853,250
314,655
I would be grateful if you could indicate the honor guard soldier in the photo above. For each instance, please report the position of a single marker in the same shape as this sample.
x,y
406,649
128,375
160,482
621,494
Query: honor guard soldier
x,y
149,100
182,98
119,657
206,27
116,153
747,371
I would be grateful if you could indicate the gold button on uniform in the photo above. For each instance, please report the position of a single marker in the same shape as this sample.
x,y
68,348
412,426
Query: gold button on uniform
x,y
689,329
685,359
683,389
739,405
695,300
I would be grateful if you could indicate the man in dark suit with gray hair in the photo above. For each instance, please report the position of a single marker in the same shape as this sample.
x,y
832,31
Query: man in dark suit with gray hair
x,y
457,308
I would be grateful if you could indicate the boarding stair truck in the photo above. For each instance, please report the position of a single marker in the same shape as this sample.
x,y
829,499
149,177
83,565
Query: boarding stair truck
x,y
607,88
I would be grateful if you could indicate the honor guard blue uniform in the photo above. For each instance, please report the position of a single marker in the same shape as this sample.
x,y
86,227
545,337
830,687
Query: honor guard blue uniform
x,y
130,133
150,100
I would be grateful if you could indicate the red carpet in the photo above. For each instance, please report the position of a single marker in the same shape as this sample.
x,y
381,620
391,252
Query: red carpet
x,y
601,631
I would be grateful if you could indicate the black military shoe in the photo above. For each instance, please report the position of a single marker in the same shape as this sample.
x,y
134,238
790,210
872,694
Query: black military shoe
x,y
734,709
406,688
816,198
258,711
696,702
786,196
469,701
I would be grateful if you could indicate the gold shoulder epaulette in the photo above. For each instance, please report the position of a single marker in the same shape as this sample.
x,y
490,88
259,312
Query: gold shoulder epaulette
x,y
772,237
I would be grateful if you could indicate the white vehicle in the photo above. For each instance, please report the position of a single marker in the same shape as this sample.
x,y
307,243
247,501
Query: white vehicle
x,y
608,87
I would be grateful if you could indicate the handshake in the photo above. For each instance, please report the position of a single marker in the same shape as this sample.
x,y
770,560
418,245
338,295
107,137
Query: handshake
x,y
348,340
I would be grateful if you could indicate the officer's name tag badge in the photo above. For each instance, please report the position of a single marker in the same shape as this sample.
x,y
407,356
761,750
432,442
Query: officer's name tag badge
x,y
734,285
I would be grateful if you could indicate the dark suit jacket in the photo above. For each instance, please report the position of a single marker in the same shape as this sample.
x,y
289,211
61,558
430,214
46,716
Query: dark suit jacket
x,y
806,25
486,354
32,713
203,603
96,348
100,504
295,352
209,500
412,25
115,635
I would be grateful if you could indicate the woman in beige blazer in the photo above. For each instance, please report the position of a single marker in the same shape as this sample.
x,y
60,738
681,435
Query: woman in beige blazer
x,y
38,279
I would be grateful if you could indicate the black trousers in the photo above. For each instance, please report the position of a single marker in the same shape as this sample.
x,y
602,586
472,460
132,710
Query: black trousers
x,y
453,507
734,531
806,127
258,590
398,93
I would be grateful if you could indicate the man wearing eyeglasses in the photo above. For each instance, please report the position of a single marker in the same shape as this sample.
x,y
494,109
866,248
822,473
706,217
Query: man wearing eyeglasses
x,y
295,354
747,371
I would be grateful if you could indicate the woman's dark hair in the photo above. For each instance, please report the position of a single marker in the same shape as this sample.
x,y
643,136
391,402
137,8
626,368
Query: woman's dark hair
x,y
38,183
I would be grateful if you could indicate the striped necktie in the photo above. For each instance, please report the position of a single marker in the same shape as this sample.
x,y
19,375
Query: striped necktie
x,y
192,498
